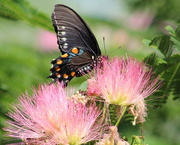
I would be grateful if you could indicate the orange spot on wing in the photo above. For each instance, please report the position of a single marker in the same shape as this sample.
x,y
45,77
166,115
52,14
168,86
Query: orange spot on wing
x,y
64,55
57,68
73,74
75,50
58,75
65,76
59,62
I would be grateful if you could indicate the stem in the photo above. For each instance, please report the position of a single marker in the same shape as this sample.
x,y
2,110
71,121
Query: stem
x,y
105,108
120,117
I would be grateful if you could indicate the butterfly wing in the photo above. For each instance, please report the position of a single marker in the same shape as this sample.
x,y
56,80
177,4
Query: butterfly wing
x,y
72,31
76,42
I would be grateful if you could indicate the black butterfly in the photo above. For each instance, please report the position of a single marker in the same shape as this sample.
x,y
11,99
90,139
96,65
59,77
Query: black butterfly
x,y
78,45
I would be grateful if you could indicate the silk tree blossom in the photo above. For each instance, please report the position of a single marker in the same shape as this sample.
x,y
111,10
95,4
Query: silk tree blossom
x,y
112,138
139,111
48,118
124,82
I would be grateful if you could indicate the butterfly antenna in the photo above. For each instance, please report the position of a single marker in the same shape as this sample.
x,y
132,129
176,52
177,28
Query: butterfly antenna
x,y
104,45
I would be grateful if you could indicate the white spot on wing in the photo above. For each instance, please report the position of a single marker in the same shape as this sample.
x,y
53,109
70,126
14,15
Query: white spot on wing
x,y
64,39
63,33
65,46
57,26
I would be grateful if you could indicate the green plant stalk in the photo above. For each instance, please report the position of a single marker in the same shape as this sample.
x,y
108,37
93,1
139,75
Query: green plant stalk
x,y
120,117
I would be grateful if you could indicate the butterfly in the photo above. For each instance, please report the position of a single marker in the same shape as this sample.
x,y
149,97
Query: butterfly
x,y
78,45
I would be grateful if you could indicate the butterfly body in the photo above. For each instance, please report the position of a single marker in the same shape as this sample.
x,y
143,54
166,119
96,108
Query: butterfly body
x,y
78,45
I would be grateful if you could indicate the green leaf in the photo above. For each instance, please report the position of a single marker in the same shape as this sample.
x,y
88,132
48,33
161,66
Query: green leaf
x,y
175,36
177,31
151,60
163,44
146,41
22,10
137,140
175,61
157,99
128,118
170,30
170,73
84,86
176,43
176,39
155,41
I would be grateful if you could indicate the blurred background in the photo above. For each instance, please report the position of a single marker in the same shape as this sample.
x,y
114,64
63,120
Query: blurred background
x,y
27,46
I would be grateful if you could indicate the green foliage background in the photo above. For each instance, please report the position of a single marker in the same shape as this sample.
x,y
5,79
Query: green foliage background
x,y
23,64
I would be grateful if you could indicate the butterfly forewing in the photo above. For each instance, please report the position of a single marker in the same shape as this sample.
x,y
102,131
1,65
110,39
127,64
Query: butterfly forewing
x,y
76,42
72,31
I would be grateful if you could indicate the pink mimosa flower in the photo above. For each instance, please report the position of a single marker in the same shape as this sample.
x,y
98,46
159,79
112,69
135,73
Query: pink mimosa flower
x,y
49,118
92,90
139,111
123,82
112,138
